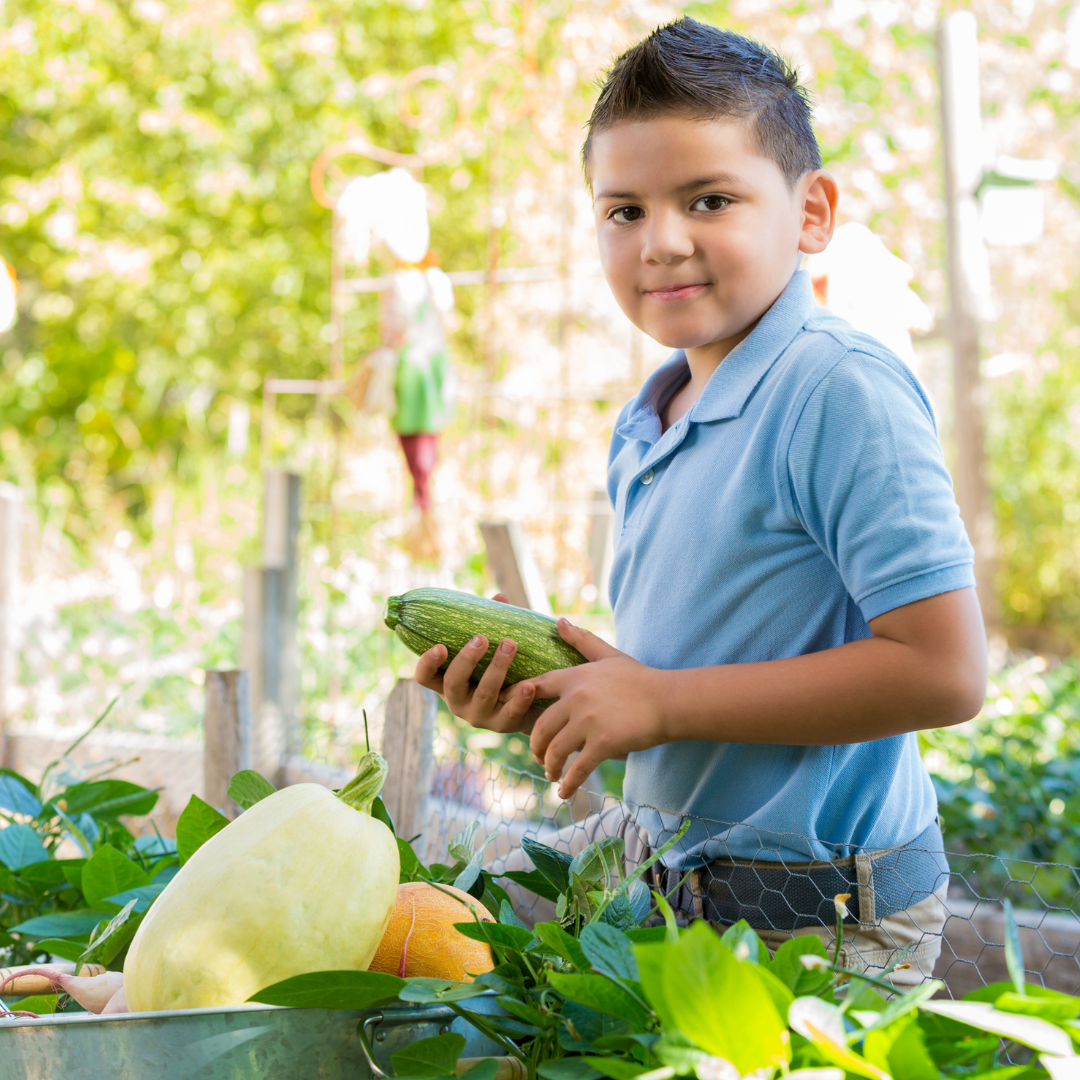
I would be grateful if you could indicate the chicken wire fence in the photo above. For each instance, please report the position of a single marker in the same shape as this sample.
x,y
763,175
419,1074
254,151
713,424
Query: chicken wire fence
x,y
946,906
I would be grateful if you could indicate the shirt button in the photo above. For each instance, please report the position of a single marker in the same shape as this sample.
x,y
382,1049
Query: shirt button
x,y
647,478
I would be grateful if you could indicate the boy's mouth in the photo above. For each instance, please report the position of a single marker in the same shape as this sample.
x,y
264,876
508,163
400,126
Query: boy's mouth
x,y
677,292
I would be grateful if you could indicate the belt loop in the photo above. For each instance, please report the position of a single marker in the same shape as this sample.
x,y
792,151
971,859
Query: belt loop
x,y
864,876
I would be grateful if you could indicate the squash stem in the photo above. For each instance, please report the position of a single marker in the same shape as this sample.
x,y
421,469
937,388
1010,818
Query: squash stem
x,y
360,791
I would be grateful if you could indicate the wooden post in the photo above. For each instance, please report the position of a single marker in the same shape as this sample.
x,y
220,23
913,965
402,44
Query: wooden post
x,y
408,734
227,736
11,519
516,573
961,117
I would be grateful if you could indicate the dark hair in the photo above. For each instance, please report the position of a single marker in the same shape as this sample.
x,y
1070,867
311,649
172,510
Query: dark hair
x,y
690,68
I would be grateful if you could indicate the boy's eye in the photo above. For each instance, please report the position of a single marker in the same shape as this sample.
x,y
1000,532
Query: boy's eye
x,y
711,202
625,215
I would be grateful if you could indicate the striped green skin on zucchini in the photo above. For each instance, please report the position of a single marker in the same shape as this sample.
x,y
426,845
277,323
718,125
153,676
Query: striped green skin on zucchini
x,y
425,617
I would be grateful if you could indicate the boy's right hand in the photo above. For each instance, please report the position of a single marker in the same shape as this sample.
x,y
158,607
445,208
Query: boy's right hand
x,y
480,704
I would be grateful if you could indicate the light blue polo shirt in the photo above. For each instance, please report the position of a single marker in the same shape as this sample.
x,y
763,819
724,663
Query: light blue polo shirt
x,y
802,495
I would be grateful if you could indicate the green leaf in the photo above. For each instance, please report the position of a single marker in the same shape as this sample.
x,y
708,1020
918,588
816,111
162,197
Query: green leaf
x,y
645,935
20,846
781,996
908,1002
484,1069
505,937
333,990
42,1004
17,797
410,864
248,787
1029,1030
1014,954
1047,1004
551,864
721,1003
598,861
673,1048
107,873
609,951
618,913
108,799
44,875
428,1058
743,941
618,1068
114,937
155,846
534,882
195,826
424,991
568,1068
597,992
461,845
73,869
60,924
787,967
143,895
527,1013
508,916
900,1050
66,950
554,939
471,874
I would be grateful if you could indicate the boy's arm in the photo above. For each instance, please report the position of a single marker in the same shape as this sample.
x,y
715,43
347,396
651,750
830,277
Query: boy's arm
x,y
923,667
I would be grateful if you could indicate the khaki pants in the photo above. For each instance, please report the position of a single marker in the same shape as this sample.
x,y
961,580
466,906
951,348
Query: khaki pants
x,y
865,947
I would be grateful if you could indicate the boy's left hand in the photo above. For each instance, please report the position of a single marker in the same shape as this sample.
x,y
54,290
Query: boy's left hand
x,y
606,708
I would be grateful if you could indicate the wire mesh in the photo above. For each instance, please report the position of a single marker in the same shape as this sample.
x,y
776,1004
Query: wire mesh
x,y
946,907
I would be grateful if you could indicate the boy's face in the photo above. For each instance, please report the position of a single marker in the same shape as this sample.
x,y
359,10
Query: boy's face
x,y
698,231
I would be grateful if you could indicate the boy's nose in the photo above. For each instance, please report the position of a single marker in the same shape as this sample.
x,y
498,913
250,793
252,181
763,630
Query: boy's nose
x,y
666,239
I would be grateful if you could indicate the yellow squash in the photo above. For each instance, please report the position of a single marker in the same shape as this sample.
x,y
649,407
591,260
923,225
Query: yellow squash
x,y
303,881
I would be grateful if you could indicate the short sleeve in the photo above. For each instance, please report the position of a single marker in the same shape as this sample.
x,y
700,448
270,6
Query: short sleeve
x,y
870,486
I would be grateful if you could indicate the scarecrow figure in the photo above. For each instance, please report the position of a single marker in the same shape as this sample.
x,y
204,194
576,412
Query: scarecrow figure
x,y
409,376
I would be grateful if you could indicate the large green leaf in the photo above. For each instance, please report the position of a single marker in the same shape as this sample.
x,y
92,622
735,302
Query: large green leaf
x,y
609,951
45,875
505,937
599,993
551,864
60,924
598,861
534,882
899,1049
1029,1030
113,937
248,787
143,895
66,950
108,799
196,824
16,796
787,965
333,990
552,938
428,1058
698,987
20,846
107,873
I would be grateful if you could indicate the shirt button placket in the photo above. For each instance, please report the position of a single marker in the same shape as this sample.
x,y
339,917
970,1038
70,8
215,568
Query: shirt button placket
x,y
647,478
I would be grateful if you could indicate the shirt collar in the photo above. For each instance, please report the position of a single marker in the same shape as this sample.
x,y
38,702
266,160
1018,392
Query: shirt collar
x,y
730,386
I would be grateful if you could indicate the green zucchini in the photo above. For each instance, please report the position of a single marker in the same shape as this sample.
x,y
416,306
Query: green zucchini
x,y
425,617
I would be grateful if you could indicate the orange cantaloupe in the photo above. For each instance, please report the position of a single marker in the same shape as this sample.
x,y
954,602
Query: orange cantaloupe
x,y
421,928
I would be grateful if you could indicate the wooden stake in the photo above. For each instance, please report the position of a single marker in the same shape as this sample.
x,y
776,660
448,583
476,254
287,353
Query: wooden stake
x,y
511,562
408,735
227,736
11,519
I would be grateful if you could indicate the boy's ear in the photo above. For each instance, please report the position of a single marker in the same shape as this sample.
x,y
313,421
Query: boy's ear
x,y
819,197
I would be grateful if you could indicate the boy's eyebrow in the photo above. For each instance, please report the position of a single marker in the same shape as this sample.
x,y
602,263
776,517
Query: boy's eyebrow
x,y
724,179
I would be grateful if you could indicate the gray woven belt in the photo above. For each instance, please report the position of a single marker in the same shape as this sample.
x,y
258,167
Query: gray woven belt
x,y
789,896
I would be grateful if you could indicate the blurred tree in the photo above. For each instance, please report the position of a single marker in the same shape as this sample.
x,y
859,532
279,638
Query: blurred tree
x,y
154,201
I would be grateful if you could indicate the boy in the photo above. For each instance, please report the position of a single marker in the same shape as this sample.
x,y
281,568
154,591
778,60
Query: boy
x,y
792,586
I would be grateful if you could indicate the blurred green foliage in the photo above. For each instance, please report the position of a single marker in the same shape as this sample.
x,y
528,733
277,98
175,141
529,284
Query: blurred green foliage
x,y
1008,782
154,201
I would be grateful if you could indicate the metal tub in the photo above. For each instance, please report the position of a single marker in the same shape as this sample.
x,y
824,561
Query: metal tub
x,y
247,1042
